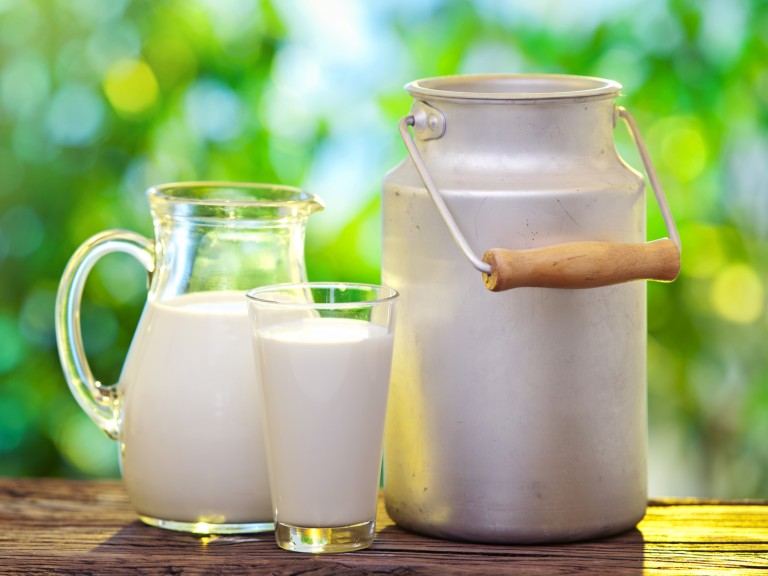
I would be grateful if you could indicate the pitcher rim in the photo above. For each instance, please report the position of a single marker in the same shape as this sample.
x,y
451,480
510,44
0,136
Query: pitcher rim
x,y
455,87
161,191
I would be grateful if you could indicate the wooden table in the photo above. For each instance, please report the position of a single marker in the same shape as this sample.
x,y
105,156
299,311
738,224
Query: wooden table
x,y
55,526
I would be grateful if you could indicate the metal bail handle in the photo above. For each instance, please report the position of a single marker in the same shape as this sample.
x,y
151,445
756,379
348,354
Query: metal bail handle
x,y
568,265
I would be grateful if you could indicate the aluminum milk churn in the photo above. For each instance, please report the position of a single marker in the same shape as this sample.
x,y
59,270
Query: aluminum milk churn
x,y
516,236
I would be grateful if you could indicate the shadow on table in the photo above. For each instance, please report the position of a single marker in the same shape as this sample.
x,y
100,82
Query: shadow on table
x,y
138,547
620,554
138,536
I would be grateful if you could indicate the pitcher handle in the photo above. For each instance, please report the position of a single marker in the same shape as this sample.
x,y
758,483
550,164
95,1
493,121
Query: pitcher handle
x,y
568,265
100,402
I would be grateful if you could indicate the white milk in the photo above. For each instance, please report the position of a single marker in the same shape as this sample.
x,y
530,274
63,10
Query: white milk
x,y
325,388
192,444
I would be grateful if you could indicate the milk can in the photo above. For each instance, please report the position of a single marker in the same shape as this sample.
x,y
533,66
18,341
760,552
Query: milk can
x,y
516,236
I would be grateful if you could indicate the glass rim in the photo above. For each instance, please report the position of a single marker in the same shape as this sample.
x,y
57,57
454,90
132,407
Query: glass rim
x,y
385,295
166,193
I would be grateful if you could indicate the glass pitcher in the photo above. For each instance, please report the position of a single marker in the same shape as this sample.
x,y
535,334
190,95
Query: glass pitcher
x,y
186,408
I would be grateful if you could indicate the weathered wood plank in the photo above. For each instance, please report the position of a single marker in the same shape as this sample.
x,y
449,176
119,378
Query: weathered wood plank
x,y
56,526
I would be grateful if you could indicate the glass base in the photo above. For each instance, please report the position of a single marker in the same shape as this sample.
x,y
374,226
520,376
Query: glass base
x,y
209,527
324,540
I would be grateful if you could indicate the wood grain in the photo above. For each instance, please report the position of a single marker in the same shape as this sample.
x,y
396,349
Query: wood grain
x,y
56,526
581,265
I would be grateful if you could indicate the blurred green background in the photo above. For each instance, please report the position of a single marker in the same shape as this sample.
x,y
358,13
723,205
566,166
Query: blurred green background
x,y
101,98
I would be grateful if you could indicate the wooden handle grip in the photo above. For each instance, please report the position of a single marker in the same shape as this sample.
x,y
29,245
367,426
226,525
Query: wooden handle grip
x,y
581,265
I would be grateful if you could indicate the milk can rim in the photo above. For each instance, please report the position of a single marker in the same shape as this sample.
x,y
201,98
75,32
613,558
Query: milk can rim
x,y
455,87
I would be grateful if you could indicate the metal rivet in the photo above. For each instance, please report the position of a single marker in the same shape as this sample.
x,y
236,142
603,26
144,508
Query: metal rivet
x,y
428,122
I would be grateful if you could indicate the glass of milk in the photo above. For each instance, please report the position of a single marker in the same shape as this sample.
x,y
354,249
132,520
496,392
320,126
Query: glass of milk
x,y
323,352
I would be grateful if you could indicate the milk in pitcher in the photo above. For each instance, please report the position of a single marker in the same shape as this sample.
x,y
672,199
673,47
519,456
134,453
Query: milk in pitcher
x,y
191,443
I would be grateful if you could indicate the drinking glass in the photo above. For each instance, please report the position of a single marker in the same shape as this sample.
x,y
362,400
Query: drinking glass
x,y
323,352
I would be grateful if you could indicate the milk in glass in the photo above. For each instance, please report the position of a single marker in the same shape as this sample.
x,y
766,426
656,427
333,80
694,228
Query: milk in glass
x,y
325,384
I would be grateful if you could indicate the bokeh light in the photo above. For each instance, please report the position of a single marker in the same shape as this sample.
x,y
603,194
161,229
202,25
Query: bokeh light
x,y
738,294
681,146
12,349
74,116
131,87
213,110
709,255
24,84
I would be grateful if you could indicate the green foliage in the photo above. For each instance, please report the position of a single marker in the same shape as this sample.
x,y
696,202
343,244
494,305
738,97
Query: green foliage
x,y
99,100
